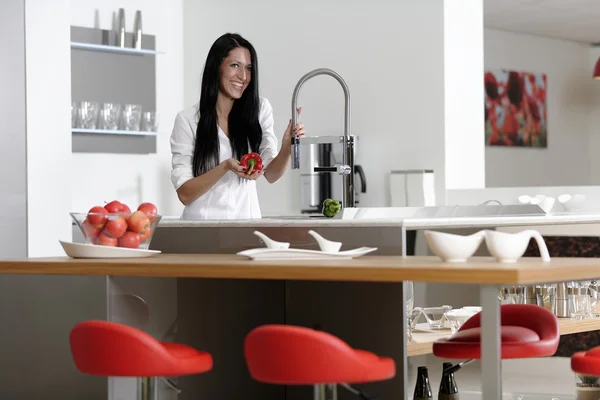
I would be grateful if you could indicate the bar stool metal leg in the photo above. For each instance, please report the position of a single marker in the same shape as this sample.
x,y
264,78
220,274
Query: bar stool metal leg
x,y
147,388
325,392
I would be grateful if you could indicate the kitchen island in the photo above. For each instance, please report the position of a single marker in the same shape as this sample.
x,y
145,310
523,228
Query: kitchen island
x,y
237,304
483,272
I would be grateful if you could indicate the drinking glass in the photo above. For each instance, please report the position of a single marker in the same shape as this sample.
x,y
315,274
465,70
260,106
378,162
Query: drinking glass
x,y
512,295
410,300
436,316
546,296
132,115
75,114
579,299
109,116
149,121
88,114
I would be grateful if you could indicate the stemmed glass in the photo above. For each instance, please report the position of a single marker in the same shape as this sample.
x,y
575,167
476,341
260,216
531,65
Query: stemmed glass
x,y
408,307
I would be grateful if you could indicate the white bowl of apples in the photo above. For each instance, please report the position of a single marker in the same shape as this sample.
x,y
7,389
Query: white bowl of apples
x,y
115,225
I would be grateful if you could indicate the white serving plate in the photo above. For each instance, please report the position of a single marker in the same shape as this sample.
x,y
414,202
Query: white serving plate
x,y
82,250
303,254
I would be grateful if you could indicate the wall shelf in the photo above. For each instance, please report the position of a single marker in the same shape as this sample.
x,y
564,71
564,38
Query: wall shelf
x,y
104,72
113,49
113,132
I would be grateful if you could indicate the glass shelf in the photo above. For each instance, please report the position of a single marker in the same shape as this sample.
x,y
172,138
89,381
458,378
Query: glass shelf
x,y
113,132
113,49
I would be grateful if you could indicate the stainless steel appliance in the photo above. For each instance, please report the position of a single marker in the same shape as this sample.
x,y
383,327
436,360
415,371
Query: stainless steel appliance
x,y
346,167
317,162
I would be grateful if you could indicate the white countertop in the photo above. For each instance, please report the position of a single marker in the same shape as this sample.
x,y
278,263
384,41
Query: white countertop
x,y
409,223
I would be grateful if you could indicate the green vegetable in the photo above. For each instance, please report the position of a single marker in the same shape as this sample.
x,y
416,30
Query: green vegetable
x,y
331,208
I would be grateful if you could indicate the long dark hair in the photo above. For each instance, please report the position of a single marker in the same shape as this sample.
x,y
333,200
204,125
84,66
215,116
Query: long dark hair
x,y
243,123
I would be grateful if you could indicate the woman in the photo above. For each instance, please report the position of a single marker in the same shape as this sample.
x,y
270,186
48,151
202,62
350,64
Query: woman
x,y
230,120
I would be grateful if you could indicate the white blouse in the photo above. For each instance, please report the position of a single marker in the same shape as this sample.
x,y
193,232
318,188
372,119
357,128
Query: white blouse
x,y
231,197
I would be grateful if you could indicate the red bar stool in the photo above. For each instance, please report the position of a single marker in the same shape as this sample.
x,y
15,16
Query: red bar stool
x,y
110,349
586,362
294,355
527,331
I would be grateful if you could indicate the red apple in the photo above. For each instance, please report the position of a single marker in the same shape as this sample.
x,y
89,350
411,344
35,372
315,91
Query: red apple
x,y
138,222
90,230
105,240
114,207
145,235
115,228
150,210
125,208
97,215
130,240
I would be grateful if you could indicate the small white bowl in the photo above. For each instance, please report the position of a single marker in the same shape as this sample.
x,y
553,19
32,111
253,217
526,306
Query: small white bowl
x,y
509,247
456,318
453,248
473,309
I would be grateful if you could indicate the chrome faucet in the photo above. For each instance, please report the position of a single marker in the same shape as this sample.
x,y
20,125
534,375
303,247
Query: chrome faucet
x,y
347,141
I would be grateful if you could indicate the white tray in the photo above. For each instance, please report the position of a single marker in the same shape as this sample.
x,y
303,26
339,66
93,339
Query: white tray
x,y
302,254
81,250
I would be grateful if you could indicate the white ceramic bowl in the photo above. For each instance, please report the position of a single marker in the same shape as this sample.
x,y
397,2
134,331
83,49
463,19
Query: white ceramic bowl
x,y
473,309
456,318
509,247
453,248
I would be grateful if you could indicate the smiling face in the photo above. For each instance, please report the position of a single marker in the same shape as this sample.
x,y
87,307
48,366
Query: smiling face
x,y
236,73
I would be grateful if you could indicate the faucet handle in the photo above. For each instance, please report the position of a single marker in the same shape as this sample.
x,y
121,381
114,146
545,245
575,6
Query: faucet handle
x,y
339,169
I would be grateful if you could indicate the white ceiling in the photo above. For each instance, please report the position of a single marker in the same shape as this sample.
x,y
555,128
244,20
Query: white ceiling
x,y
577,20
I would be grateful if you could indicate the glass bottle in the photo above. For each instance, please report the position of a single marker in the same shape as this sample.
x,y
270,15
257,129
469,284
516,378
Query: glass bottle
x,y
448,389
422,388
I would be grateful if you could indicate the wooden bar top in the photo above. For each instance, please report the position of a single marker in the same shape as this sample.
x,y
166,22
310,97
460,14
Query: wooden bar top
x,y
478,270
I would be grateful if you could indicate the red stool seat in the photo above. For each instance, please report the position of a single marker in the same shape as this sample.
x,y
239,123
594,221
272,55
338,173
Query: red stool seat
x,y
110,349
527,331
293,355
586,362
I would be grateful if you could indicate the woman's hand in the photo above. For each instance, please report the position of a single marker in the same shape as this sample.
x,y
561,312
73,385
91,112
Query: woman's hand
x,y
234,165
297,132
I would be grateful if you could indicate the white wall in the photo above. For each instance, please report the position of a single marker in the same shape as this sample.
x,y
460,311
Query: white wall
x,y
103,177
13,158
48,91
566,161
594,118
464,121
389,53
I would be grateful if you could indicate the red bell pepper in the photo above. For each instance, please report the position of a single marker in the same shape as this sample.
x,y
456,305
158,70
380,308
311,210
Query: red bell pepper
x,y
252,162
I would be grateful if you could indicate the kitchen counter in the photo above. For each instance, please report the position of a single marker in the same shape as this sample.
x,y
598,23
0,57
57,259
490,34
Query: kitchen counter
x,y
478,270
408,223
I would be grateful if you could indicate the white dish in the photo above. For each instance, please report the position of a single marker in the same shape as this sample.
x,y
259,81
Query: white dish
x,y
507,247
303,254
453,248
82,250
270,243
326,245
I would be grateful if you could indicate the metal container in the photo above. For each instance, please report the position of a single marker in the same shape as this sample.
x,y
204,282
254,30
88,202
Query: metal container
x,y
318,181
137,30
531,295
121,28
562,300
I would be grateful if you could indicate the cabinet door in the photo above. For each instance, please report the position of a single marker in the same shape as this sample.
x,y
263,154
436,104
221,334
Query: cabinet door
x,y
363,314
